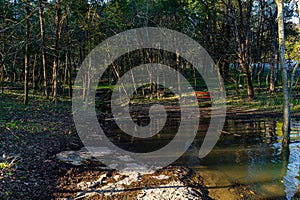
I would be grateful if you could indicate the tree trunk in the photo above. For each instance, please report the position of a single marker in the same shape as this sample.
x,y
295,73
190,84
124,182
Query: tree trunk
x,y
272,69
68,62
3,49
250,90
41,17
178,73
70,76
286,96
88,75
293,77
14,68
220,78
2,75
273,59
298,8
26,58
56,51
242,40
34,85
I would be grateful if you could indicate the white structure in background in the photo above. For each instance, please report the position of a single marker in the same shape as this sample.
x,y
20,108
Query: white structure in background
x,y
290,64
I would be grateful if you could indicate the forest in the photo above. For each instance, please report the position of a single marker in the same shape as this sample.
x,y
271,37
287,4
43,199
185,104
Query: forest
x,y
254,45
44,42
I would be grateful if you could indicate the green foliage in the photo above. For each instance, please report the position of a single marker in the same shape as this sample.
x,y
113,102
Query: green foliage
x,y
19,119
293,45
4,165
85,24
12,125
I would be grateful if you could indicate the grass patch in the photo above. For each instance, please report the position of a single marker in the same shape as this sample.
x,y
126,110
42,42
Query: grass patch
x,y
263,100
18,119
4,165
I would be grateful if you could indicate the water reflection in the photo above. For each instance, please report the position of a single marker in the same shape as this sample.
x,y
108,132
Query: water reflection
x,y
291,178
249,152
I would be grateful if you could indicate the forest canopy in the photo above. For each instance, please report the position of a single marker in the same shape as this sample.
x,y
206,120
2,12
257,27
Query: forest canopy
x,y
43,43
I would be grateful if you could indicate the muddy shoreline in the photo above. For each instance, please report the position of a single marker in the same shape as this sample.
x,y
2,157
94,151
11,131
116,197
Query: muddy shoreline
x,y
32,137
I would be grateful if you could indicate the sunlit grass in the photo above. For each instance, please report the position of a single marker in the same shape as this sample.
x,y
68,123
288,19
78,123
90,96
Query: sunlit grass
x,y
263,100
4,165
17,119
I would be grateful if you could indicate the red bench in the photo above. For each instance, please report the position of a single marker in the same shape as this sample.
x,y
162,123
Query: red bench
x,y
204,95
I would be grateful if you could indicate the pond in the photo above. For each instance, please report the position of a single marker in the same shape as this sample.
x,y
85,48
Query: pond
x,y
248,153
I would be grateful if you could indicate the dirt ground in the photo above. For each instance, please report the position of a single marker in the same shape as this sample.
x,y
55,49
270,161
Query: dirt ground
x,y
30,138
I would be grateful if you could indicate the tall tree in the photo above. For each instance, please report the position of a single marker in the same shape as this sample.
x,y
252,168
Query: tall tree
x,y
26,57
56,50
43,55
273,54
67,56
242,34
286,95
2,52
